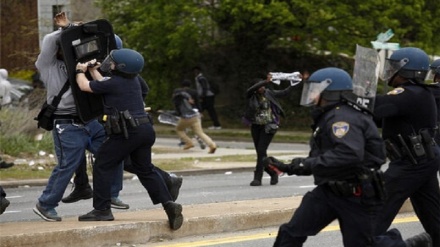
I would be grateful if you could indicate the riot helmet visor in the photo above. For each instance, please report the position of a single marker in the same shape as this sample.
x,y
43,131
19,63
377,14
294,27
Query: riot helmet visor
x,y
107,63
312,91
391,67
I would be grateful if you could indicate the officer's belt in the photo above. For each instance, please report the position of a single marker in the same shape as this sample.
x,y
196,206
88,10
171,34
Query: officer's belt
x,y
345,188
143,120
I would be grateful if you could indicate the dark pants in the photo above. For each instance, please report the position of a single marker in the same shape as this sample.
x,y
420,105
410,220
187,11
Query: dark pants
x,y
404,180
208,105
113,151
81,179
2,192
262,141
320,207
128,166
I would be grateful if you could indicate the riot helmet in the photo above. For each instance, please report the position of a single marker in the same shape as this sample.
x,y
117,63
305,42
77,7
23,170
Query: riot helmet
x,y
409,63
126,61
434,72
118,42
327,83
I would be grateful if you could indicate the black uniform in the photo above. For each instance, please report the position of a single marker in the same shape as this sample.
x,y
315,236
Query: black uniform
x,y
407,113
435,89
346,151
122,94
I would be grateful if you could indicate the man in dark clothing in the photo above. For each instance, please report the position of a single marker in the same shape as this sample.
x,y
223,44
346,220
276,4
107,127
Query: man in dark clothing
x,y
345,158
130,134
206,97
408,117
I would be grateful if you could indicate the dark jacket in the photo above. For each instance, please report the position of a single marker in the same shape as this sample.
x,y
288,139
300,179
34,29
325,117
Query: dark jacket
x,y
271,95
181,98
406,110
345,141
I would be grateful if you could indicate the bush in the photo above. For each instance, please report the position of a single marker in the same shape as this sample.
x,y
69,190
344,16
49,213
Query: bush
x,y
19,134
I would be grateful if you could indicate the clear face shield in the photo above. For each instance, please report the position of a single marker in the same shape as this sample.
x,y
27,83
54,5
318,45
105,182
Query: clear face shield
x,y
107,63
433,75
391,67
312,91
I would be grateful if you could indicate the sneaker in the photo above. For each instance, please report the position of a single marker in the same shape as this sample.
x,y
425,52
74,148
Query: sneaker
x,y
215,127
174,213
420,240
188,146
78,194
212,150
118,204
4,203
174,186
47,215
97,215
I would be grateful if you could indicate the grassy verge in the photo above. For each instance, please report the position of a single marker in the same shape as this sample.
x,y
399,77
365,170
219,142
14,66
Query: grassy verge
x,y
21,140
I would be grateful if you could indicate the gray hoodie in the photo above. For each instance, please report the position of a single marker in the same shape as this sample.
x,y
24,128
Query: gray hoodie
x,y
53,73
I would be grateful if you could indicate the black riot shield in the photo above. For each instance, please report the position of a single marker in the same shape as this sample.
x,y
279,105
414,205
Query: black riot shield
x,y
92,40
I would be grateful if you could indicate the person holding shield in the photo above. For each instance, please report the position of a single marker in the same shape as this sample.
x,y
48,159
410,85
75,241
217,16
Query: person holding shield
x,y
408,117
130,134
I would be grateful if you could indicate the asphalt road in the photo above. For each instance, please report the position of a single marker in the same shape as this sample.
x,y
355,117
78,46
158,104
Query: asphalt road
x,y
196,189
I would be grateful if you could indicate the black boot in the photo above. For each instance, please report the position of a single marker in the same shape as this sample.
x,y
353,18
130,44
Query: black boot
x,y
173,185
273,176
420,240
258,175
78,194
174,213
97,215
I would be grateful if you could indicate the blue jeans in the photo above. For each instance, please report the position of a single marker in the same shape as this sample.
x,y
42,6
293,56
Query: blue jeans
x,y
70,141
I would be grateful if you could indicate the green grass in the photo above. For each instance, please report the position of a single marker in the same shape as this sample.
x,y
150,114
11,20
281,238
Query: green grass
x,y
20,139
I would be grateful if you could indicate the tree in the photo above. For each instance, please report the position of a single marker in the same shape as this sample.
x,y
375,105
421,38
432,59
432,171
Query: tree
x,y
240,40
169,35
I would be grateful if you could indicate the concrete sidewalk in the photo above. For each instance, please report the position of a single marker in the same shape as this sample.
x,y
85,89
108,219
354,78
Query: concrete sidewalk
x,y
140,227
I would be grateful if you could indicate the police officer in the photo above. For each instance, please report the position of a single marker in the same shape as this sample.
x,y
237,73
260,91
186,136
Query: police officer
x,y
82,188
130,133
408,117
346,154
434,86
434,78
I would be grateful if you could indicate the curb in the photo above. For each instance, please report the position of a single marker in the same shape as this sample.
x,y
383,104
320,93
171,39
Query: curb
x,y
148,226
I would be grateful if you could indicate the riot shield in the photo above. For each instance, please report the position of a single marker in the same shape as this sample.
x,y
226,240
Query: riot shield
x,y
92,40
365,76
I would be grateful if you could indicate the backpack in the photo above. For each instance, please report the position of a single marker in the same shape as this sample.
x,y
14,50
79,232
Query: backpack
x,y
181,103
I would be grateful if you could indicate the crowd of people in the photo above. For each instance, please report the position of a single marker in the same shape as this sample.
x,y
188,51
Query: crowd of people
x,y
347,150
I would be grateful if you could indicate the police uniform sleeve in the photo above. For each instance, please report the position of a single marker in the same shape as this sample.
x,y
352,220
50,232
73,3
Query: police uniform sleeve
x,y
396,102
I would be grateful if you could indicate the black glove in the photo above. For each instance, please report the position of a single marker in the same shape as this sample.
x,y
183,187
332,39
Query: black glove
x,y
275,165
298,167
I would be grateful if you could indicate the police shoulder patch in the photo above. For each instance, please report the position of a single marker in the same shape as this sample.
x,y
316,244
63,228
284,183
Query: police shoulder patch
x,y
396,91
340,129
